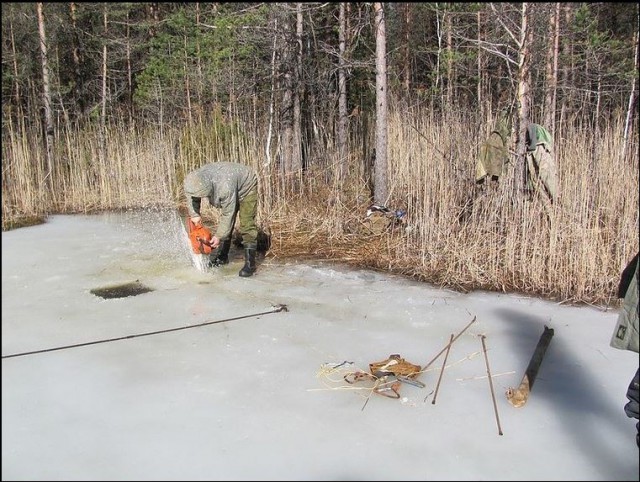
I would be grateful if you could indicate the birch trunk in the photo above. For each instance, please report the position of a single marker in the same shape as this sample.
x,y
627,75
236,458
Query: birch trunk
x,y
103,110
381,175
524,98
342,96
46,93
297,111
479,69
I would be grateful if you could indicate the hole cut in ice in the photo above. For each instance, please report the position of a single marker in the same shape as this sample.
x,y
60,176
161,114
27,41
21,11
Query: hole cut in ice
x,y
121,291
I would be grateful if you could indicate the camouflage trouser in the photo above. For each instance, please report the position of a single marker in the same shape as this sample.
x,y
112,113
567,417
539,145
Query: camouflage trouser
x,y
633,395
631,408
247,213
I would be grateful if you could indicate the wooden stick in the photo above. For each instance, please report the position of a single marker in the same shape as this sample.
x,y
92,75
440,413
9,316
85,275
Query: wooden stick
x,y
448,345
493,396
444,363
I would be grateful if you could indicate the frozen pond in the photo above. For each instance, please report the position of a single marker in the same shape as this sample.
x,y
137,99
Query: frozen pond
x,y
200,376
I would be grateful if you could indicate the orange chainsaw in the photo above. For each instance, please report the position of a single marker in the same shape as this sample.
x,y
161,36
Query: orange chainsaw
x,y
200,238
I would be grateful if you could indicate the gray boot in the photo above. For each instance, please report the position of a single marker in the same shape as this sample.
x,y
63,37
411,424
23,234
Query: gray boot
x,y
220,256
249,262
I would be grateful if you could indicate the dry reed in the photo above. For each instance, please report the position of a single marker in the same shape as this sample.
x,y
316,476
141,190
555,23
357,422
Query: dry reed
x,y
458,235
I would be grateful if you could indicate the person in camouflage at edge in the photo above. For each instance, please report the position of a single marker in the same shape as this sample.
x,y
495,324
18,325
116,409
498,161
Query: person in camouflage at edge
x,y
232,188
625,334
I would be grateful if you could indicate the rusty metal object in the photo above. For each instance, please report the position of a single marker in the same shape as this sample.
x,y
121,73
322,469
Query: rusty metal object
x,y
394,365
388,375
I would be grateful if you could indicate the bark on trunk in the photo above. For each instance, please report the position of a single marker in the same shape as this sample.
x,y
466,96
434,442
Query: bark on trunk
x,y
46,92
632,101
342,96
524,99
552,69
381,175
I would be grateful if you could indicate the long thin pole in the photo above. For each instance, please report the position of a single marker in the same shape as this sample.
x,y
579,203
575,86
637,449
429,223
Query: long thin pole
x,y
448,345
275,309
493,396
444,364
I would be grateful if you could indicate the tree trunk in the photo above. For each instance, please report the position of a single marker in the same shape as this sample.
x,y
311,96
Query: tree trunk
x,y
406,56
200,83
632,99
187,85
438,81
524,97
380,194
552,69
76,52
596,124
16,79
46,93
129,71
267,154
152,11
298,93
342,96
103,111
567,71
479,69
450,83
286,112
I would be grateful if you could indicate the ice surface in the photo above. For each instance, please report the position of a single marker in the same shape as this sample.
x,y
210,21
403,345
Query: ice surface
x,y
243,392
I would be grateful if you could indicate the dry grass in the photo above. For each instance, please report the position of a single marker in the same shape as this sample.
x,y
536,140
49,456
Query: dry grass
x,y
458,235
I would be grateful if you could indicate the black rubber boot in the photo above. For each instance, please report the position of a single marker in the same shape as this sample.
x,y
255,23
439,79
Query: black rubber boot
x,y
249,263
220,256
